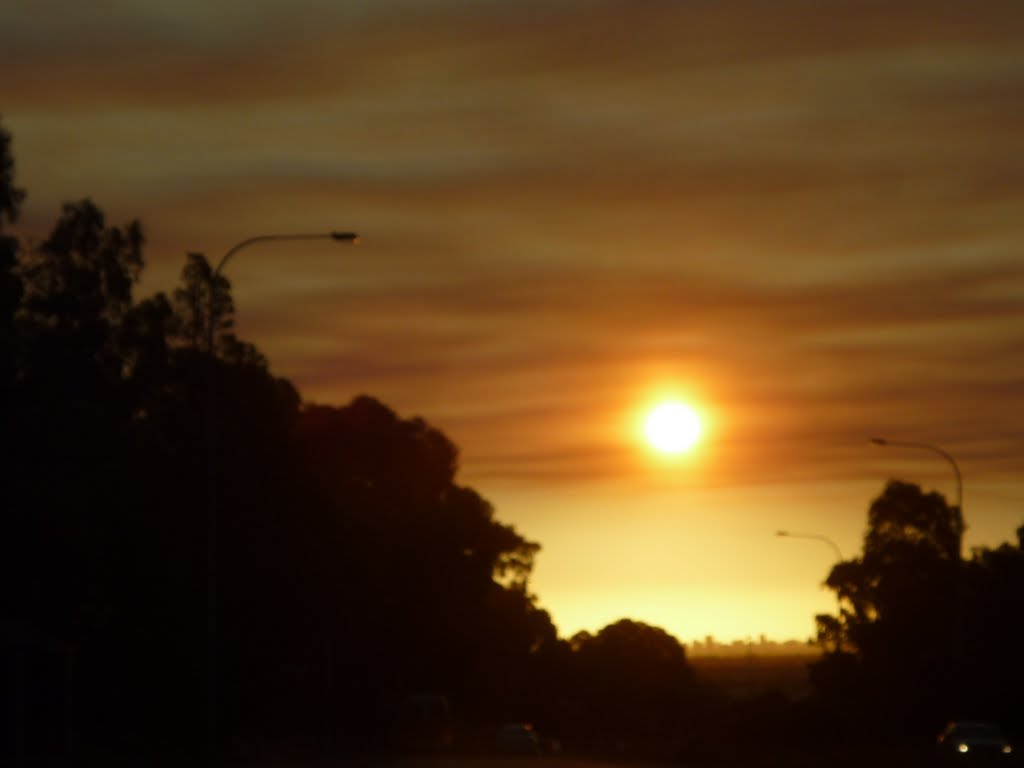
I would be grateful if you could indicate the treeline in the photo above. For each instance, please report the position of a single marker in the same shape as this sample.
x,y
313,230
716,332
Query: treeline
x,y
924,634
195,560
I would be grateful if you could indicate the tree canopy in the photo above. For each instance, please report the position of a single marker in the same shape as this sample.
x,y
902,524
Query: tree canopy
x,y
352,570
921,633
350,566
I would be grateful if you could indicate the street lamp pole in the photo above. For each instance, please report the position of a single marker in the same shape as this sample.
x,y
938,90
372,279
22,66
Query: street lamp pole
x,y
212,511
958,608
342,237
882,441
839,559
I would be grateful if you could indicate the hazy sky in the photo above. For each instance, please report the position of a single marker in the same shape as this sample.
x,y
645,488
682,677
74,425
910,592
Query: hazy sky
x,y
806,217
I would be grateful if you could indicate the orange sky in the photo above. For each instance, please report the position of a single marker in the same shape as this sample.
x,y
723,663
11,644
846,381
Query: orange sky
x,y
808,217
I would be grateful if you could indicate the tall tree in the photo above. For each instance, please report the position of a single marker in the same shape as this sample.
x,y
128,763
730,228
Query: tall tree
x,y
351,566
10,287
907,569
71,417
994,632
901,624
420,586
72,493
202,299
11,196
80,278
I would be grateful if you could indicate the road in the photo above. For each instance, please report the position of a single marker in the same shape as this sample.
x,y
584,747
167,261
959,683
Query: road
x,y
449,762
437,762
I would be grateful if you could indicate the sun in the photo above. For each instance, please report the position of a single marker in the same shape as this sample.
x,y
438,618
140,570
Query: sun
x,y
672,427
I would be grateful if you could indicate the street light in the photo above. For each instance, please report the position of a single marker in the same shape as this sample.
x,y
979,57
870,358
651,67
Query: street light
x,y
839,559
934,449
958,608
342,237
816,537
211,715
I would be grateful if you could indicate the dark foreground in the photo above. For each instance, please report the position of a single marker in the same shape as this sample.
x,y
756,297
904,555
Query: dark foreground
x,y
893,758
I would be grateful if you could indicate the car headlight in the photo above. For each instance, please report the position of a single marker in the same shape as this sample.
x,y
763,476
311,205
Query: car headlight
x,y
1007,749
962,748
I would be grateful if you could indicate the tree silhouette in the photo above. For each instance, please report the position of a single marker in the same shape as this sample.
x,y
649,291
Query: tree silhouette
x,y
11,290
196,309
904,518
422,588
72,503
900,621
994,633
72,413
635,686
11,196
353,568
10,283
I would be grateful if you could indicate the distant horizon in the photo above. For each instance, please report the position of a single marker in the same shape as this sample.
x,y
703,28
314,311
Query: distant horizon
x,y
763,645
725,646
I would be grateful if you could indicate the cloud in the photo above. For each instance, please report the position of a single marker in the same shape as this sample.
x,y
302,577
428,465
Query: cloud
x,y
813,211
806,216
794,369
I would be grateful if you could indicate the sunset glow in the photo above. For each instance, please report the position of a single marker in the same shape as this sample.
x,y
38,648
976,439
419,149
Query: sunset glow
x,y
658,270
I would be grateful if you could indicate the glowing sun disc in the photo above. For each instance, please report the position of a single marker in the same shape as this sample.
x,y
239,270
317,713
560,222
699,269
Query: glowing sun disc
x,y
672,427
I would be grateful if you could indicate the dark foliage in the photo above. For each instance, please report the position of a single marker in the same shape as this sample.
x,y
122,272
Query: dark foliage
x,y
348,569
924,636
173,515
633,689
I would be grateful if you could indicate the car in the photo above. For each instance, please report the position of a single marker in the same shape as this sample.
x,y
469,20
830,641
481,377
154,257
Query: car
x,y
518,739
974,742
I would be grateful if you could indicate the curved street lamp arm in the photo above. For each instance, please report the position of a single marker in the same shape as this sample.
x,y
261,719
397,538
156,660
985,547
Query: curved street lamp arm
x,y
345,237
937,450
815,537
348,237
